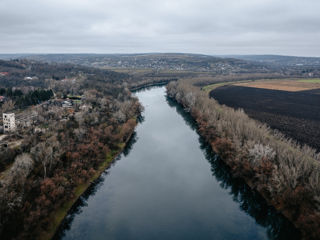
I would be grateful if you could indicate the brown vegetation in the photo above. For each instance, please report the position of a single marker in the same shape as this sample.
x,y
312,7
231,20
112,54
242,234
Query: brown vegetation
x,y
63,149
287,175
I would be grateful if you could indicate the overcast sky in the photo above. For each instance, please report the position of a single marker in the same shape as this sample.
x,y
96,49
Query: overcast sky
x,y
287,27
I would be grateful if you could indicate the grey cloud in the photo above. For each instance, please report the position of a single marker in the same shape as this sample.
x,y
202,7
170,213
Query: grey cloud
x,y
202,26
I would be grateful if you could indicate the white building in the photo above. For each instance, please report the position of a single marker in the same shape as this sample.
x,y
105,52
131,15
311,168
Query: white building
x,y
9,123
66,104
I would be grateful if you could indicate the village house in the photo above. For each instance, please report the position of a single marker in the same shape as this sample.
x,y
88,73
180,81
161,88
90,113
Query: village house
x,y
2,74
67,104
31,78
9,123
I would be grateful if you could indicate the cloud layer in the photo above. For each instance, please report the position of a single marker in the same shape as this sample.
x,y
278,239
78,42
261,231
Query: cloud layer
x,y
289,27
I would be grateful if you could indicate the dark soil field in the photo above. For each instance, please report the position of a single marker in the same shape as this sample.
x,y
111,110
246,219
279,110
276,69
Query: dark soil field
x,y
296,114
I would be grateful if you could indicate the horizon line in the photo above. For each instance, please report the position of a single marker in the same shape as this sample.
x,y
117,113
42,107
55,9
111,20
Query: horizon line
x,y
142,53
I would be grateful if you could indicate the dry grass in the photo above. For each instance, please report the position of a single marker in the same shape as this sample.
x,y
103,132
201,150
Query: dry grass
x,y
284,85
211,87
314,80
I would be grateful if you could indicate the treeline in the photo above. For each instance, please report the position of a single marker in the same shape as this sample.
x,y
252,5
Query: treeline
x,y
285,173
28,99
10,64
8,92
33,97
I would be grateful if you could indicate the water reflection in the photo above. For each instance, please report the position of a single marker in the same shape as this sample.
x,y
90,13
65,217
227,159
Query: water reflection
x,y
78,206
163,188
251,202
130,143
91,191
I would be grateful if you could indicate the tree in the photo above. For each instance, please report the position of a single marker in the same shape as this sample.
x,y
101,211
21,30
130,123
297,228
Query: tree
x,y
8,106
43,153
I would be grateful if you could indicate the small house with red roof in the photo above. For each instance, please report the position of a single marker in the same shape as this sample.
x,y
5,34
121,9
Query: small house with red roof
x,y
2,74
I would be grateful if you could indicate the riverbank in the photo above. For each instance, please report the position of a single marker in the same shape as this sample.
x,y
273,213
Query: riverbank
x,y
62,212
285,174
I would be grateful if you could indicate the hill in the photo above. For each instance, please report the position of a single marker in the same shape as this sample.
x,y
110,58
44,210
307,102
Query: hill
x,y
157,61
280,60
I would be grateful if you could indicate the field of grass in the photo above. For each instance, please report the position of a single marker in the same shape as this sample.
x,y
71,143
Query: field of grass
x,y
290,85
315,80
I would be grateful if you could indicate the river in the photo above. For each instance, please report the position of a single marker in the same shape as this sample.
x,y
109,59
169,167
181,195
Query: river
x,y
168,184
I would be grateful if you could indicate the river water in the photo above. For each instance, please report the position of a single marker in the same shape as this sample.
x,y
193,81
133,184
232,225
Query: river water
x,y
169,185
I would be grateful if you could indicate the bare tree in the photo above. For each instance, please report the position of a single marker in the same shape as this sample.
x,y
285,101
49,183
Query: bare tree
x,y
7,106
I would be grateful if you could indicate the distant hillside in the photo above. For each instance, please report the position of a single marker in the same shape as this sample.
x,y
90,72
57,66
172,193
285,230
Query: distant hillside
x,y
12,56
279,60
22,72
158,61
182,62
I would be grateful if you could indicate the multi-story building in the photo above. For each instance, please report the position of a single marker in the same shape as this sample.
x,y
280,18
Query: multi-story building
x,y
9,122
